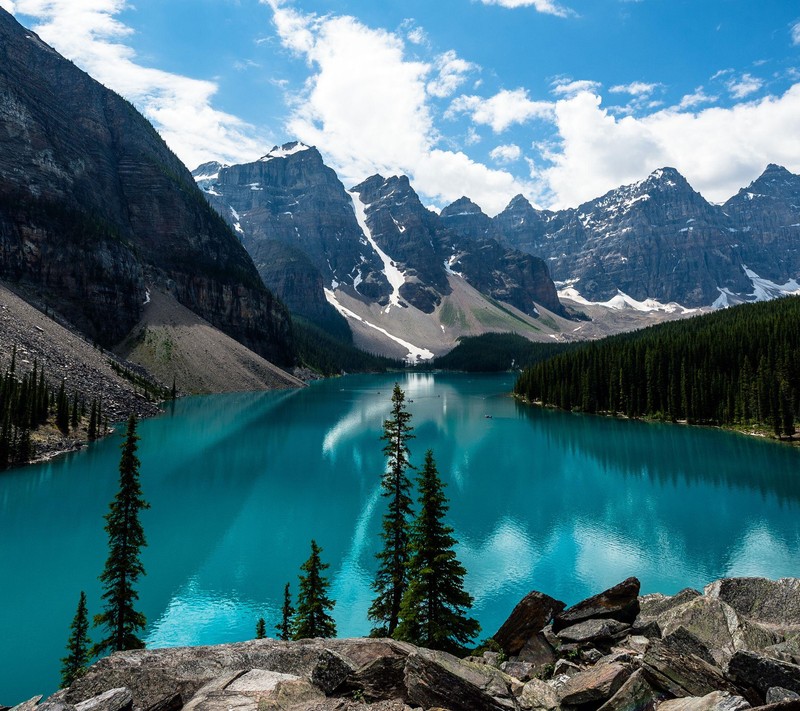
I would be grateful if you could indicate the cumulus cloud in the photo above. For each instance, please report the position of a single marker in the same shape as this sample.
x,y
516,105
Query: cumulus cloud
x,y
385,125
717,149
452,73
88,32
546,6
508,153
501,110
8,6
744,86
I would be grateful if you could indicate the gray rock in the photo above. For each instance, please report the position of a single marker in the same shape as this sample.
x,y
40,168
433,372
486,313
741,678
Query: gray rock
x,y
778,693
652,606
636,694
112,700
715,701
683,641
618,603
682,674
173,702
537,651
774,602
330,671
593,685
28,705
601,631
524,671
564,667
440,679
538,695
762,673
527,619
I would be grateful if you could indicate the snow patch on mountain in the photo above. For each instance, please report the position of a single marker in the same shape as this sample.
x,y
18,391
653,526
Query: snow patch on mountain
x,y
287,149
766,290
415,353
393,274
624,301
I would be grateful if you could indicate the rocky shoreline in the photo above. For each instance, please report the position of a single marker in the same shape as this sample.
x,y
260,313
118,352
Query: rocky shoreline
x,y
734,646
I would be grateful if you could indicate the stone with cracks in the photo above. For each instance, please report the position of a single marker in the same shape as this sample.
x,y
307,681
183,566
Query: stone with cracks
x,y
715,701
636,694
595,684
594,631
620,603
762,673
772,602
112,700
527,619
682,674
538,695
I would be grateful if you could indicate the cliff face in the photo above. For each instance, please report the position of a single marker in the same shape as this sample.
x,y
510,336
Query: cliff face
x,y
94,207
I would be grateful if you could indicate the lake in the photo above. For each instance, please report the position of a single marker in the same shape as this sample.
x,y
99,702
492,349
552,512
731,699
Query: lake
x,y
239,484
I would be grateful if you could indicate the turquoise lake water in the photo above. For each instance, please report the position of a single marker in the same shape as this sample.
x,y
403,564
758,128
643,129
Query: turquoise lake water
x,y
239,484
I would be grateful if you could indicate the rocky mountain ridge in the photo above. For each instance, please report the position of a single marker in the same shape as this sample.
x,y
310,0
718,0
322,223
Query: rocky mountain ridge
x,y
319,246
95,210
659,242
730,648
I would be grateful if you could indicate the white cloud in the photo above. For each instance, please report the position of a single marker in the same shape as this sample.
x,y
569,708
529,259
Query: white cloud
x,y
795,31
546,6
717,149
696,98
569,87
87,32
506,153
501,110
385,125
417,36
452,73
8,6
636,88
744,86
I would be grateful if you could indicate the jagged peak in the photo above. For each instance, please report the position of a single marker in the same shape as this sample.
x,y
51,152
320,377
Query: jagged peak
x,y
287,149
208,170
462,206
665,177
519,202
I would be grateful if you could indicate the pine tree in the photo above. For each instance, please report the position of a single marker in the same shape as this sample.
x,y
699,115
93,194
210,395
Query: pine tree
x,y
312,619
391,579
123,566
77,659
62,409
92,430
73,420
285,627
433,612
261,628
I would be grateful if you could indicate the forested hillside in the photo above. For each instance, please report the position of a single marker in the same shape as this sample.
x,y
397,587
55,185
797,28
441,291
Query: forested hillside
x,y
496,352
732,367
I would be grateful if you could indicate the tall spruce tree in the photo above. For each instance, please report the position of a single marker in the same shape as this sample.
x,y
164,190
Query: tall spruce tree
x,y
75,663
123,566
261,628
391,579
433,612
312,618
287,611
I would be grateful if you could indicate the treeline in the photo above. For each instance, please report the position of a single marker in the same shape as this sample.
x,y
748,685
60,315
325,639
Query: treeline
x,y
497,352
332,356
28,402
733,367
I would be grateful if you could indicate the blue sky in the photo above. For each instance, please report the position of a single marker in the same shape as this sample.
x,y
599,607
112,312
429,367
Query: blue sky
x,y
560,101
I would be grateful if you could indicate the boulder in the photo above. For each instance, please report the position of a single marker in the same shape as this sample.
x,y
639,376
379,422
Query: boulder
x,y
762,673
617,603
594,631
787,651
112,700
683,641
330,671
636,694
772,602
524,671
537,651
440,679
564,667
715,701
682,674
537,695
778,693
717,626
652,606
528,618
255,690
173,702
593,685
28,705
790,705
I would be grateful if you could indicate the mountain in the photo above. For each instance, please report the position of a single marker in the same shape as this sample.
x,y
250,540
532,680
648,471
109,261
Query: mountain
x,y
96,211
659,241
375,255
